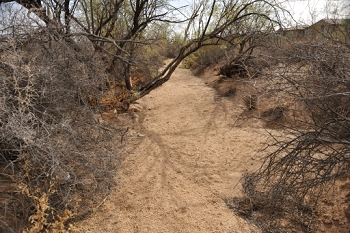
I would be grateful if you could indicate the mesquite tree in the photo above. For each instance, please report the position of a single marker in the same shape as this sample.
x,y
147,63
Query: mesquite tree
x,y
119,27
56,58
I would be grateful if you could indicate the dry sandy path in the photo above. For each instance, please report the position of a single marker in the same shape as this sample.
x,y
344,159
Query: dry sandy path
x,y
187,159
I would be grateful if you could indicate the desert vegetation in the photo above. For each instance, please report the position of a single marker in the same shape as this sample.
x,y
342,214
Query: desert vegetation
x,y
312,153
299,88
65,63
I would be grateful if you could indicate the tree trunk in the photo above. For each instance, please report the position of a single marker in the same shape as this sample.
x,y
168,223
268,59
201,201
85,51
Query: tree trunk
x,y
127,77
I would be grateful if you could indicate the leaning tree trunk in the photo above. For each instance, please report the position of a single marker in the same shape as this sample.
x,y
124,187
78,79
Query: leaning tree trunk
x,y
127,77
165,75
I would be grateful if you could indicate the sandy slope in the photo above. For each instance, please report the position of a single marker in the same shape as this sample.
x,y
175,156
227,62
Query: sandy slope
x,y
189,157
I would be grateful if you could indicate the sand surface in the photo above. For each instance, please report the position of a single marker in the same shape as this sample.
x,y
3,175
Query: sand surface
x,y
186,155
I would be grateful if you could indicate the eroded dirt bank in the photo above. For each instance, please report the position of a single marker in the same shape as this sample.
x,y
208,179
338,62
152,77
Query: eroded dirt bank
x,y
189,156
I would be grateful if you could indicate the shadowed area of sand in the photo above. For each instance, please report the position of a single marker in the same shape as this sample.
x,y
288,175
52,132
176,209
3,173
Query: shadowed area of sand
x,y
189,156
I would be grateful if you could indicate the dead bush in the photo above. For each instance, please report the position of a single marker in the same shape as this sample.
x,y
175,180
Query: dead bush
x,y
274,117
57,161
231,92
301,163
237,69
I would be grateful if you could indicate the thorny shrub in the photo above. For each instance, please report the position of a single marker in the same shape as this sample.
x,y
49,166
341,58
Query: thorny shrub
x,y
304,159
56,160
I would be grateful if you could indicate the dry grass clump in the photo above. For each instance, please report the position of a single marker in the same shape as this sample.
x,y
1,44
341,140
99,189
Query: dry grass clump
x,y
238,69
230,92
273,114
57,162
275,117
273,213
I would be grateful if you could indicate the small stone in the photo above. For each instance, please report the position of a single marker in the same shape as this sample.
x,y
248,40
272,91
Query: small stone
x,y
140,135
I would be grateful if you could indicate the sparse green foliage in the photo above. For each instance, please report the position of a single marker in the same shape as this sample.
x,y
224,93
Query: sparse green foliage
x,y
205,57
58,68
